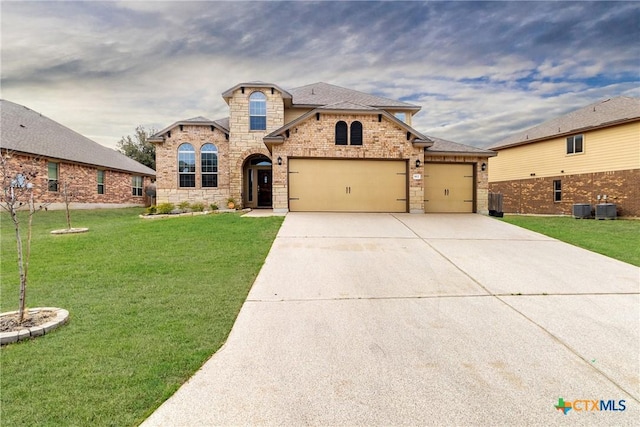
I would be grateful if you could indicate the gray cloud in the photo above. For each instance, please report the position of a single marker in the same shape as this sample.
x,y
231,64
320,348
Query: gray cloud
x,y
481,70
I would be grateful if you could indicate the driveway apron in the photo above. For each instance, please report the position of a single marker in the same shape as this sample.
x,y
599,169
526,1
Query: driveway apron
x,y
400,319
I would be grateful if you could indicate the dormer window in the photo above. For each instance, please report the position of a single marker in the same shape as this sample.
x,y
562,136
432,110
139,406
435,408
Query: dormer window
x,y
257,111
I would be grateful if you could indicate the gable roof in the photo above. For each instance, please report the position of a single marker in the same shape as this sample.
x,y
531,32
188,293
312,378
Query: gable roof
x,y
227,94
442,146
221,124
600,114
26,131
276,137
320,94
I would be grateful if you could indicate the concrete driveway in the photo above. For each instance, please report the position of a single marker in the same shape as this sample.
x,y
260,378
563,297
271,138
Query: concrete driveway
x,y
399,319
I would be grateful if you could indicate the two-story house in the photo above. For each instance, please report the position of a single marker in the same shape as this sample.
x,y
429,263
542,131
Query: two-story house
x,y
317,147
588,156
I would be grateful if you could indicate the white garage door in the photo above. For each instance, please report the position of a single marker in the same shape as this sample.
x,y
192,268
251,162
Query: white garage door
x,y
448,187
335,185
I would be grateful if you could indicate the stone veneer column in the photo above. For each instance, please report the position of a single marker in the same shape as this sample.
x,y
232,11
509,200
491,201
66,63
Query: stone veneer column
x,y
244,142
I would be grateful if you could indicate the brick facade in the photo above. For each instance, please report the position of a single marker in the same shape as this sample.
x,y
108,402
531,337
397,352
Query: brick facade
x,y
311,137
81,182
316,138
536,195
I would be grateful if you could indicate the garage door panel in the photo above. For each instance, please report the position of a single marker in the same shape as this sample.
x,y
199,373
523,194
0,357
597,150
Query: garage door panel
x,y
333,185
448,188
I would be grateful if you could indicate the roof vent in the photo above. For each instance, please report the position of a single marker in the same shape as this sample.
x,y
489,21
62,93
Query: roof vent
x,y
22,126
312,92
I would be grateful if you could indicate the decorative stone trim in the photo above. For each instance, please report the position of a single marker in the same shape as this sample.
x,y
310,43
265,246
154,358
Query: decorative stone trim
x,y
62,316
70,230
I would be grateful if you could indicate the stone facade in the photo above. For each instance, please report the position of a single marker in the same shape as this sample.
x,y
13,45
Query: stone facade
x,y
309,136
197,135
81,182
481,189
536,195
315,138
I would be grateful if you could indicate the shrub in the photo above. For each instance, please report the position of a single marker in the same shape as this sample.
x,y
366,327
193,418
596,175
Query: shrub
x,y
213,207
197,207
183,206
165,208
150,210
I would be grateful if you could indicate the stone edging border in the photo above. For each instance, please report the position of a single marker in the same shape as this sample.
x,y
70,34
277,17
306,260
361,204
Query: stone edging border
x,y
62,316
70,231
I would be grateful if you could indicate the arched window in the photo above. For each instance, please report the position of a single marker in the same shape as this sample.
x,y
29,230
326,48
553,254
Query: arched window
x,y
209,165
356,133
257,111
341,133
186,165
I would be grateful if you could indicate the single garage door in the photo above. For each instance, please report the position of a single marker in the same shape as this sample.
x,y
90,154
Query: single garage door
x,y
332,185
448,187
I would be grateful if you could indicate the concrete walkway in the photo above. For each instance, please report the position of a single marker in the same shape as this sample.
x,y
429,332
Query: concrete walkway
x,y
399,319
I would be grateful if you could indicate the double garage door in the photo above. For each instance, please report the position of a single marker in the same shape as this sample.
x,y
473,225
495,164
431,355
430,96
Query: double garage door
x,y
333,185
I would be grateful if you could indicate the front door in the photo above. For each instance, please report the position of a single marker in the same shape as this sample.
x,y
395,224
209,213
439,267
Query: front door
x,y
264,188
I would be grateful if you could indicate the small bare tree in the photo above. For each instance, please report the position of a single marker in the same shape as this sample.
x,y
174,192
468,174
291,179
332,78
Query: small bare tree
x,y
17,193
67,195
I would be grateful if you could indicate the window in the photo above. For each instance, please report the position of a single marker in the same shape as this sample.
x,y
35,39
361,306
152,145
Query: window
x,y
136,185
557,190
401,116
356,133
209,165
100,182
341,133
257,111
54,169
186,166
574,144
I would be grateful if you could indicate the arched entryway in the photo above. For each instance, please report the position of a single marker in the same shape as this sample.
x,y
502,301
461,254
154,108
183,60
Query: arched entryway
x,y
257,178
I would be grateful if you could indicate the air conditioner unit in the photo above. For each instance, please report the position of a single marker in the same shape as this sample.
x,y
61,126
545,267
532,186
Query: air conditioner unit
x,y
582,210
606,211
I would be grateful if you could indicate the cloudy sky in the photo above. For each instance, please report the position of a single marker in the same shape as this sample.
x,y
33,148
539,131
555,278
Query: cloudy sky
x,y
480,70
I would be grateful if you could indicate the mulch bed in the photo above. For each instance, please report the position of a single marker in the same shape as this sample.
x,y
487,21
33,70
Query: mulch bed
x,y
9,322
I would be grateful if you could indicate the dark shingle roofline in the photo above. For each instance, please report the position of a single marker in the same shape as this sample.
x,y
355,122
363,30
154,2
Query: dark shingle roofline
x,y
598,115
29,132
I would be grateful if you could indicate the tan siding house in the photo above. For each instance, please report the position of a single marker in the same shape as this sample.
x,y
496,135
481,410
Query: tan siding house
x,y
589,156
318,147
59,160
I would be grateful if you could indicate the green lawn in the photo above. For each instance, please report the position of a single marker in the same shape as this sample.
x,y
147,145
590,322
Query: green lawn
x,y
618,239
149,302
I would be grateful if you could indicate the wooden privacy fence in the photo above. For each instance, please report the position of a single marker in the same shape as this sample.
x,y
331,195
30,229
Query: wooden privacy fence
x,y
495,203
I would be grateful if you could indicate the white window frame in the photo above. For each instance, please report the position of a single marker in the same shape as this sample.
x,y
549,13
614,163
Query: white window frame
x,y
571,149
257,109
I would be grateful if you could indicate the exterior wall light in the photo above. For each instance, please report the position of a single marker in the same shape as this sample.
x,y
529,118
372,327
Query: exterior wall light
x,y
418,163
279,161
483,167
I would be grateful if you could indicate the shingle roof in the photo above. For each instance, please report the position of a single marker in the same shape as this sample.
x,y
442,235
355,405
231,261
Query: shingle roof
x,y
600,114
319,94
442,146
347,106
222,124
197,119
27,131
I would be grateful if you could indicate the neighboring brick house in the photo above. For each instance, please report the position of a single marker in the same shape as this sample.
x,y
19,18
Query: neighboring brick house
x,y
589,156
318,147
95,176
